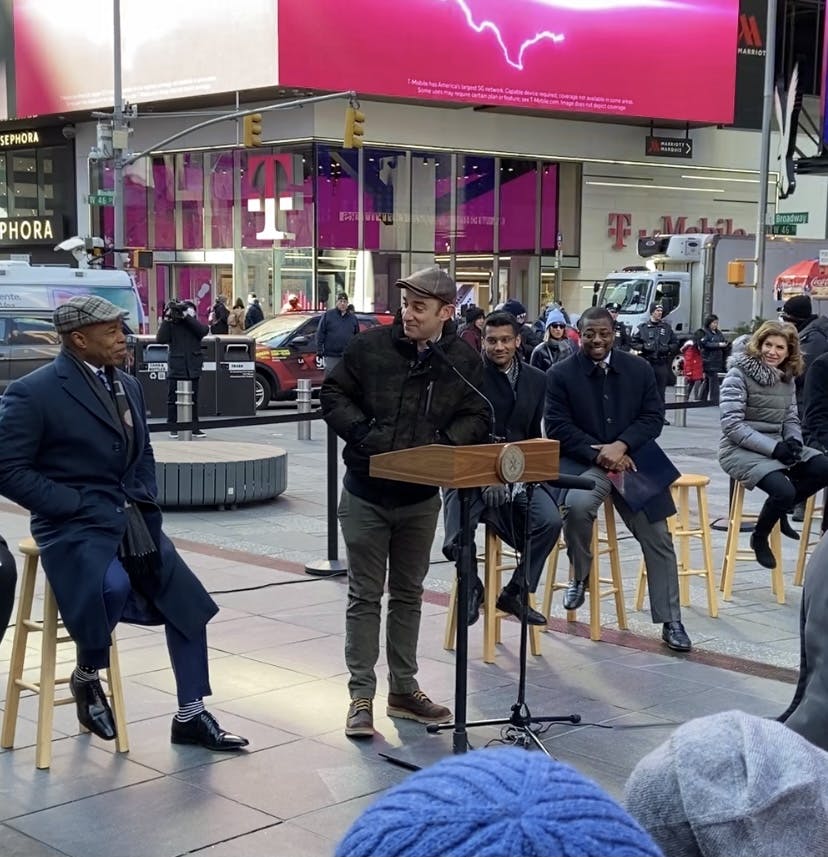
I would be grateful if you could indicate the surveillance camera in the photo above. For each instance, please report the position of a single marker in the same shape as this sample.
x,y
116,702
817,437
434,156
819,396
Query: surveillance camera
x,y
70,244
69,132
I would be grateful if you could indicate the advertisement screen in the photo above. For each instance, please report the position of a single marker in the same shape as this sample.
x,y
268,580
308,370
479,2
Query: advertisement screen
x,y
667,59
63,51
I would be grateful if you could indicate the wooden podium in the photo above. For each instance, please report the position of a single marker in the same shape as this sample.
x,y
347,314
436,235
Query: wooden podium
x,y
466,468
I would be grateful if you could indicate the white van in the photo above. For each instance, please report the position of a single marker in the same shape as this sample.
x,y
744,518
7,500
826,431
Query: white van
x,y
29,295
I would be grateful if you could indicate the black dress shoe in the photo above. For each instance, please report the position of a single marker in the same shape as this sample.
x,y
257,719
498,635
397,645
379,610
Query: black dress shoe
x,y
475,600
509,603
759,545
94,712
575,594
204,730
676,637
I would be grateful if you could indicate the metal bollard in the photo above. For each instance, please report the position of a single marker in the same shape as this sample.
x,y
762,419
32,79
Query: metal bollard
x,y
681,397
303,406
184,406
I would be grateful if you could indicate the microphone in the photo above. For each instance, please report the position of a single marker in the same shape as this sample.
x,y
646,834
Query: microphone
x,y
566,481
443,358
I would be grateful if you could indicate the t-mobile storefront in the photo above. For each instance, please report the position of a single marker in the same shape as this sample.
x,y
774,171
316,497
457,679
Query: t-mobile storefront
x,y
315,219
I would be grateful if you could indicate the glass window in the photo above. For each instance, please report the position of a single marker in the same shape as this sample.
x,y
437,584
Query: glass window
x,y
431,202
4,189
386,200
190,193
218,206
337,200
277,198
31,330
136,226
549,207
24,196
475,204
518,205
163,203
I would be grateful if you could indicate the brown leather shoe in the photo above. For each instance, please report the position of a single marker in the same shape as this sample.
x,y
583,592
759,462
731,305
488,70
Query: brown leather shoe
x,y
417,706
360,720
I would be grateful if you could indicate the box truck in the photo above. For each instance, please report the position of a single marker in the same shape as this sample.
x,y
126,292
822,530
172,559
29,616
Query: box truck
x,y
688,275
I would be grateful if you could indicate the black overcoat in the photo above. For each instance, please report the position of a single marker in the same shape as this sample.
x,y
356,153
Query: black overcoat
x,y
581,410
64,458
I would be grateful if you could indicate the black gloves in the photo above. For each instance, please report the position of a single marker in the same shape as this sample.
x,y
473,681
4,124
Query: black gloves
x,y
782,452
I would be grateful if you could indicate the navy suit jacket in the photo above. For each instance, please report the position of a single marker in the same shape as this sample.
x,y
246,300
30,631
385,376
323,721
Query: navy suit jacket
x,y
63,456
583,409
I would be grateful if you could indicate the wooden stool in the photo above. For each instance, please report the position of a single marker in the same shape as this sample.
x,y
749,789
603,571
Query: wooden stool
x,y
494,565
599,587
682,531
733,555
49,627
805,541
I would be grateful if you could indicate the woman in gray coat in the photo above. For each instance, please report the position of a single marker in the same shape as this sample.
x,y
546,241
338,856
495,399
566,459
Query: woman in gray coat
x,y
761,443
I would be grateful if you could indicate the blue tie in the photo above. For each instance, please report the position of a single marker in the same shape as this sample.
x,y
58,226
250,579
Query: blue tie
x,y
104,380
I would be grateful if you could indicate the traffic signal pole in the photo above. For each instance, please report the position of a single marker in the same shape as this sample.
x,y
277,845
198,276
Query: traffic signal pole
x,y
119,134
764,156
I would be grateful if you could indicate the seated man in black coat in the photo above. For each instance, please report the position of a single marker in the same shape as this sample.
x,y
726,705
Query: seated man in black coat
x,y
603,405
516,391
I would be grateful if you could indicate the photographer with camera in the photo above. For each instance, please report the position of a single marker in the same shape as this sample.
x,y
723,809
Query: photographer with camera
x,y
182,332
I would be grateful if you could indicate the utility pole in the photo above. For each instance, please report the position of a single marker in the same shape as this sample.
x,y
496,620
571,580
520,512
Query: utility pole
x,y
764,156
120,138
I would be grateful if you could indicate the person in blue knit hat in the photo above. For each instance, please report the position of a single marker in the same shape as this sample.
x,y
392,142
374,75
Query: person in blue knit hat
x,y
500,802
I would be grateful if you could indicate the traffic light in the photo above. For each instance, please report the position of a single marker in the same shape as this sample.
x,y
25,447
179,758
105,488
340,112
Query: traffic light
x,y
252,130
140,259
354,128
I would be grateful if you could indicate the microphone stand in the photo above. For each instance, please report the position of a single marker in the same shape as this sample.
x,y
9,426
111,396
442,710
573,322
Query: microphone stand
x,y
521,719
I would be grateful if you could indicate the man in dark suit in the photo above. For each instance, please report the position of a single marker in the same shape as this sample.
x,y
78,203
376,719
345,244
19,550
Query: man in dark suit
x,y
516,392
75,452
602,406
182,332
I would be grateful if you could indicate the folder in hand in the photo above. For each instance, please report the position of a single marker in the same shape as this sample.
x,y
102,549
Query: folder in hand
x,y
654,473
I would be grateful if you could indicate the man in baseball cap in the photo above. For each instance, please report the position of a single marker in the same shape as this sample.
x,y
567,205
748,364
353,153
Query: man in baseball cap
x,y
75,452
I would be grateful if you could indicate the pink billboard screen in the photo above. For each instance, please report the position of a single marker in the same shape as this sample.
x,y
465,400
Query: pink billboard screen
x,y
662,59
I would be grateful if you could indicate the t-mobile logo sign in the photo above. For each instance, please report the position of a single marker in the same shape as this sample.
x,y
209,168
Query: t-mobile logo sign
x,y
278,180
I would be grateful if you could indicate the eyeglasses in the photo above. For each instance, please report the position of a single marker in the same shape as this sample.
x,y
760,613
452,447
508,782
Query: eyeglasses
x,y
558,326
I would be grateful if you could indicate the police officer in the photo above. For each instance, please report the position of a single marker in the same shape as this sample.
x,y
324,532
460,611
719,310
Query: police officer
x,y
657,343
622,332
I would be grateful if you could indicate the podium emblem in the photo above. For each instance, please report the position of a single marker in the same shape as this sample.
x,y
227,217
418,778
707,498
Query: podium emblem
x,y
511,463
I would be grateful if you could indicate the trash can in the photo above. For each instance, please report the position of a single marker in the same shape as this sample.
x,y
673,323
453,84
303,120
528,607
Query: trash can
x,y
236,375
147,361
207,406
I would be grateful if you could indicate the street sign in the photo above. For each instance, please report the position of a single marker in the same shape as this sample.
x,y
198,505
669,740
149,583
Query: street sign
x,y
669,147
101,197
783,229
790,217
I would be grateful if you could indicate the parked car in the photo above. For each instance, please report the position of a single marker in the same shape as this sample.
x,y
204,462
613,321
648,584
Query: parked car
x,y
286,352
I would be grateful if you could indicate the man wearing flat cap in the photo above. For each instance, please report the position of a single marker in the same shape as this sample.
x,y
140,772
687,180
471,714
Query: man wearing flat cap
x,y
75,452
392,391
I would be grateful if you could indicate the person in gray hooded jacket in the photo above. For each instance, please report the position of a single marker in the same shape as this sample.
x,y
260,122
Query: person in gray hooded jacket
x,y
761,443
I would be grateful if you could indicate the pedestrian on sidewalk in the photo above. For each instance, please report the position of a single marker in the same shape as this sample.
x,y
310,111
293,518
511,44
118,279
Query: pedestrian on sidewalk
x,y
714,349
692,368
336,329
75,452
391,392
603,406
761,443
235,321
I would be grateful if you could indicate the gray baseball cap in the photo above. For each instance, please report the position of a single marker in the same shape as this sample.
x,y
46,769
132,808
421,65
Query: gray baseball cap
x,y
83,310
430,283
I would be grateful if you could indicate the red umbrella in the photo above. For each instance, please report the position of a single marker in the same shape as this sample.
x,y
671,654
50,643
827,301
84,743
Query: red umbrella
x,y
805,277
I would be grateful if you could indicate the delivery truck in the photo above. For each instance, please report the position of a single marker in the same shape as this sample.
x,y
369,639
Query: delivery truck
x,y
688,276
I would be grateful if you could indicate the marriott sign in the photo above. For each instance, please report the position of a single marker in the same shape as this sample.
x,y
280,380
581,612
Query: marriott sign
x,y
620,227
